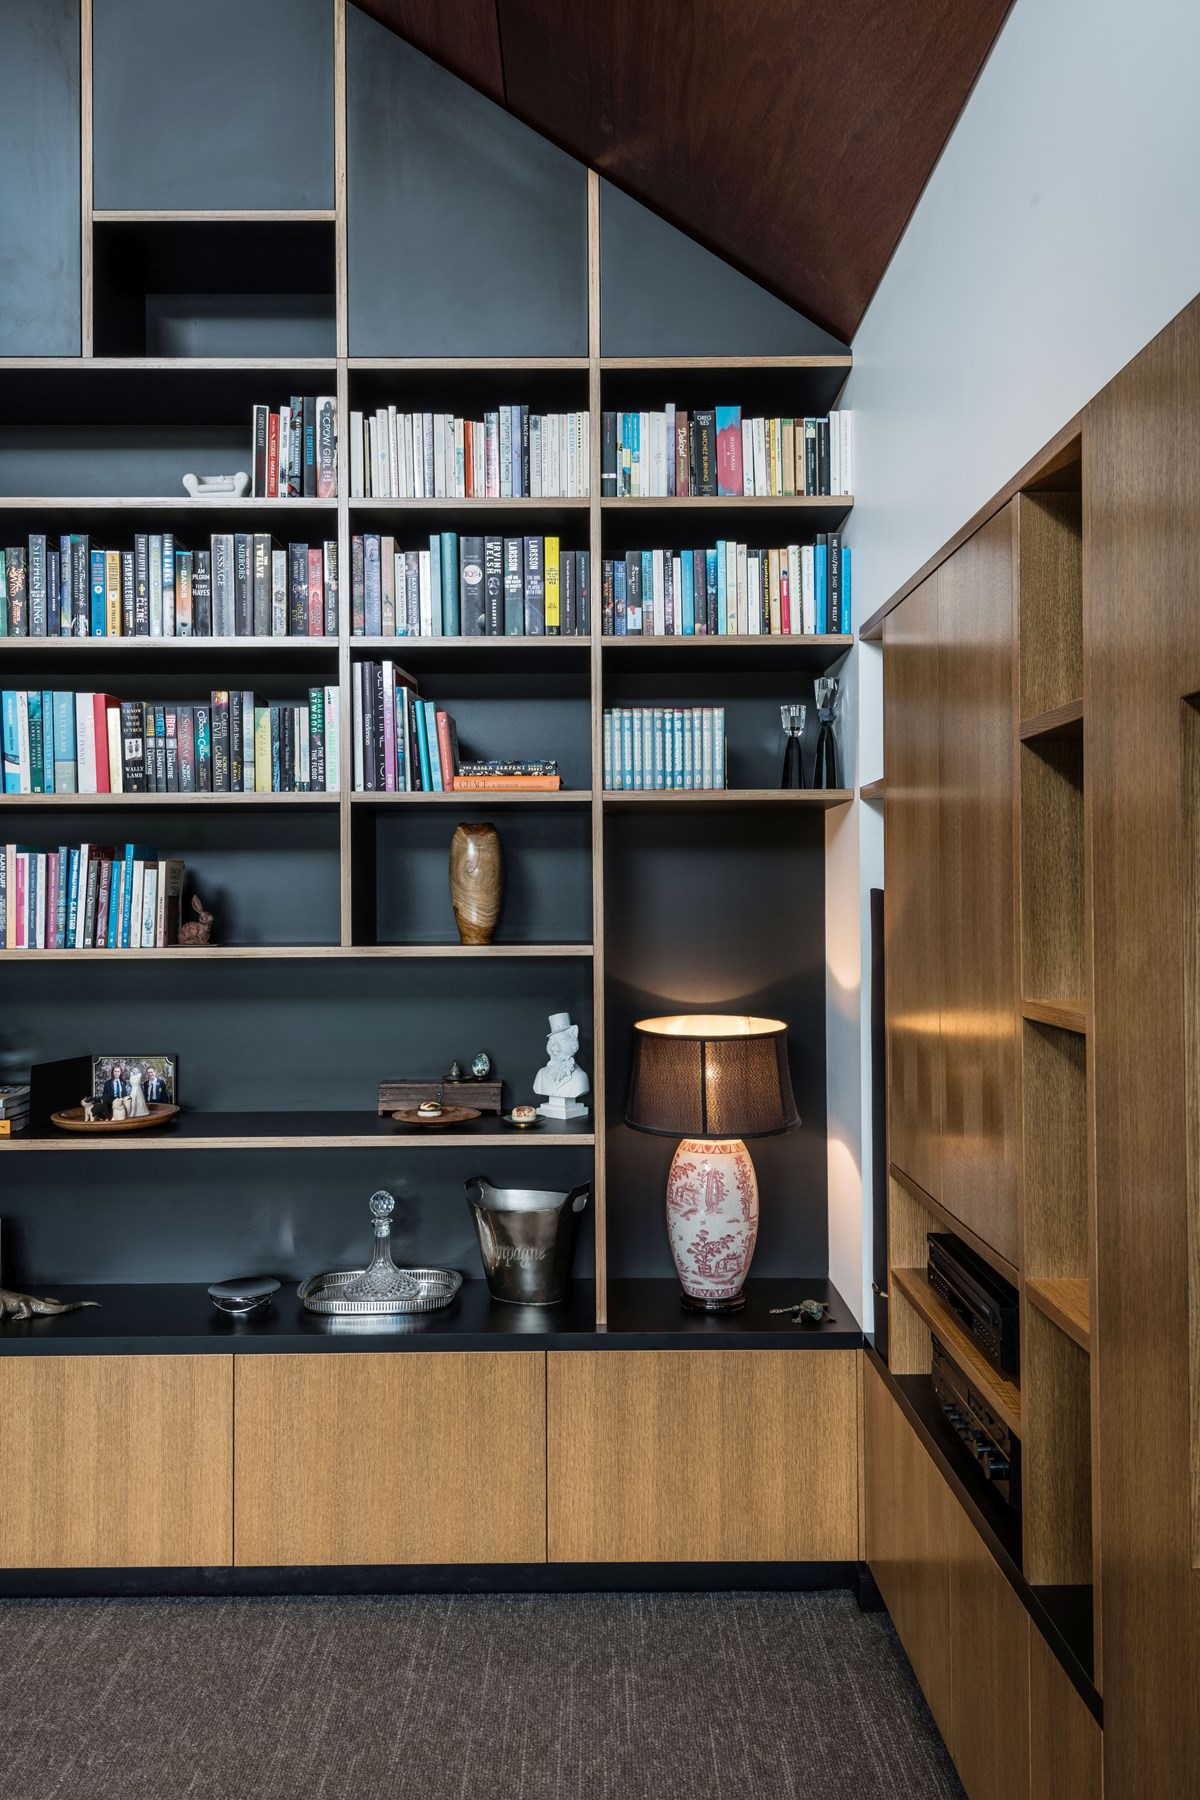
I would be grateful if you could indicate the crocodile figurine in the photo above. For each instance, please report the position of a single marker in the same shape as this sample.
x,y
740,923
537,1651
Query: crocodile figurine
x,y
28,1306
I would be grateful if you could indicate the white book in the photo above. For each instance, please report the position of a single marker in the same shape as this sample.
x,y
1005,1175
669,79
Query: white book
x,y
136,902
748,488
371,481
381,453
356,451
550,488
505,453
718,739
116,767
149,920
562,454
85,744
658,474
535,456
404,455
333,743
669,448
585,453
572,453
659,568
835,453
426,593
795,596
460,461
728,625
847,486
761,486
279,593
742,612
356,719
418,457
439,456
393,463
808,588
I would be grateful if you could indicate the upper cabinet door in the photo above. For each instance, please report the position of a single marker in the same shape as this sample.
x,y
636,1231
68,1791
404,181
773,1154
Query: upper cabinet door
x,y
39,178
221,106
913,956
467,232
977,865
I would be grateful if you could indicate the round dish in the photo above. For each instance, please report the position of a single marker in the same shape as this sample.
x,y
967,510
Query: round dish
x,y
522,1124
72,1119
242,1299
449,1115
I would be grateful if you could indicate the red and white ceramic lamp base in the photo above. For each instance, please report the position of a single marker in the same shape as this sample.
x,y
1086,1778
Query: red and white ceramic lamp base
x,y
712,1221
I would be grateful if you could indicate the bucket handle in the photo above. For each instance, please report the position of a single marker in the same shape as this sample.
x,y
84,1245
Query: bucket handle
x,y
577,1199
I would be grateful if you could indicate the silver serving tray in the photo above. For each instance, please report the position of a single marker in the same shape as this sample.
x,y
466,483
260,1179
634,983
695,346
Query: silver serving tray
x,y
325,1294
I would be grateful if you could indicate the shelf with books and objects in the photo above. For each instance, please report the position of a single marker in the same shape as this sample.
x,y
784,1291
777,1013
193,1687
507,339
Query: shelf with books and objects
x,y
305,1130
718,453
210,286
473,584
509,451
100,580
727,589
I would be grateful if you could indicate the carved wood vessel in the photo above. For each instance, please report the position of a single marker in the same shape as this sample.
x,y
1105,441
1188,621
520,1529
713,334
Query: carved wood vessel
x,y
476,881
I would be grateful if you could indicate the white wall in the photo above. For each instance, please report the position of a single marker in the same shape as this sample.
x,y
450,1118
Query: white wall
x,y
1058,234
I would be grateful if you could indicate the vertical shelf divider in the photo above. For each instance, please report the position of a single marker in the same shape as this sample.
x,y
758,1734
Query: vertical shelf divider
x,y
342,334
596,665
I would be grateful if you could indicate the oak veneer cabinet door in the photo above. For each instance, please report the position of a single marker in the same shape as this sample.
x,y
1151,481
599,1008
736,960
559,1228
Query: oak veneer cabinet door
x,y
401,1457
702,1455
989,1635
919,1598
116,1461
977,913
1065,1742
912,894
879,1479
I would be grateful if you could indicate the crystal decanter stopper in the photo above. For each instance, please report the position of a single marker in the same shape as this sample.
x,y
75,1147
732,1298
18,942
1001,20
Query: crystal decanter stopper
x,y
381,1279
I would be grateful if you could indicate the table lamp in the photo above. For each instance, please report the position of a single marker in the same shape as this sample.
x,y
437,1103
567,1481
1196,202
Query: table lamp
x,y
711,1079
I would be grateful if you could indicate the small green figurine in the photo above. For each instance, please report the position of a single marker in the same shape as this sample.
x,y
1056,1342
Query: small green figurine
x,y
805,1312
481,1065
455,1073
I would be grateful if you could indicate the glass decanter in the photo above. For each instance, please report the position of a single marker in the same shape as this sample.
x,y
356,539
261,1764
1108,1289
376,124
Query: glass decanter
x,y
825,771
381,1279
793,718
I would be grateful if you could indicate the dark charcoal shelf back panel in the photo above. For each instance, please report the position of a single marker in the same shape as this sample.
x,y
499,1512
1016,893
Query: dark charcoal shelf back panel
x,y
203,1218
262,1035
726,914
268,877
662,294
39,191
548,873
220,107
467,231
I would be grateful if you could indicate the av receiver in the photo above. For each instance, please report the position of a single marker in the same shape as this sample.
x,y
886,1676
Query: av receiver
x,y
996,1451
983,1300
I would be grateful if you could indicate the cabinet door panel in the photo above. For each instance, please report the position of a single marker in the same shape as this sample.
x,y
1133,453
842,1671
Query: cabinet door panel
x,y
977,912
990,1646
116,1461
40,296
912,892
1065,1742
703,1456
879,1480
391,1458
920,1599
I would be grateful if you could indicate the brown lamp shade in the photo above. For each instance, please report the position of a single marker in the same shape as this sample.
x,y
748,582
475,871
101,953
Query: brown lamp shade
x,y
710,1075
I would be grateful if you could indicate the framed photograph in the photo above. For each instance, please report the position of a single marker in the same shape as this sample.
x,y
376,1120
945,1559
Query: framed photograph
x,y
114,1077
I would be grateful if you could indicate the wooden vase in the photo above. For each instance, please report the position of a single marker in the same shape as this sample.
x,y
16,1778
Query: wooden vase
x,y
476,881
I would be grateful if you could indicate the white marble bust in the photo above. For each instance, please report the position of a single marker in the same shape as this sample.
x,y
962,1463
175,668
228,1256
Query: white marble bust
x,y
560,1081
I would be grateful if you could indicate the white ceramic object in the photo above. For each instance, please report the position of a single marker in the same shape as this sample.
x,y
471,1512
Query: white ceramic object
x,y
560,1081
712,1219
218,487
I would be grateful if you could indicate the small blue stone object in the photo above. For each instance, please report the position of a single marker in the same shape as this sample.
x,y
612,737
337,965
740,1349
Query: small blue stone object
x,y
481,1065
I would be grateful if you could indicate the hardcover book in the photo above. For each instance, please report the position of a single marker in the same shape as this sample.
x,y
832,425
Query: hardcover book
x,y
729,450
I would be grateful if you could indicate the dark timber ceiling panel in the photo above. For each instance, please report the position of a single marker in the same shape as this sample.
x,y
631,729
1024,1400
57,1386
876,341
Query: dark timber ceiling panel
x,y
793,138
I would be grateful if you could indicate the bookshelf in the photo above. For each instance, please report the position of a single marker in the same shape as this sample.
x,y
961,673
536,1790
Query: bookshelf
x,y
192,314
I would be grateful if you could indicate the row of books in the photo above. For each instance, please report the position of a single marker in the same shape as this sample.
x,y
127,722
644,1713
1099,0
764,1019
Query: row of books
x,y
88,897
14,1108
295,449
511,453
664,747
406,745
243,585
87,743
715,452
470,587
729,590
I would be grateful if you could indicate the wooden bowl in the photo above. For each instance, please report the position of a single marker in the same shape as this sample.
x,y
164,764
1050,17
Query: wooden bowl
x,y
449,1115
72,1119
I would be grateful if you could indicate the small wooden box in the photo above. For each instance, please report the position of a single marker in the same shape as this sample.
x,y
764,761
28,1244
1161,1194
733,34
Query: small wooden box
x,y
486,1096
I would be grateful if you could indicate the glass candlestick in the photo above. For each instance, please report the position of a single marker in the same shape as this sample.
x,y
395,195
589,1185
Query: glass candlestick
x,y
825,771
381,1279
793,718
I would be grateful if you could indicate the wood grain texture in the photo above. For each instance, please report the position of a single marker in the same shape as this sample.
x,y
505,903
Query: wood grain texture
x,y
1052,891
1050,575
596,673
1064,1015
989,1638
1142,518
464,38
1002,1393
980,1127
437,1458
1065,1742
116,1461
881,1422
1067,1299
1054,1151
687,1456
920,1599
909,1223
941,1218
912,851
1056,1444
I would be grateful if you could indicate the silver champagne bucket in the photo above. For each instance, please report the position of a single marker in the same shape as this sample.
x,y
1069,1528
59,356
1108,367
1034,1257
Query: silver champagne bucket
x,y
527,1239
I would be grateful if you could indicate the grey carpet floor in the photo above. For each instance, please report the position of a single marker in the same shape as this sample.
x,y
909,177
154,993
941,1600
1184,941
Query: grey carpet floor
x,y
512,1697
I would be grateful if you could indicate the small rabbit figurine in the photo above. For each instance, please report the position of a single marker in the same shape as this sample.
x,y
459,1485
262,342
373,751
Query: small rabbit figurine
x,y
119,1109
201,931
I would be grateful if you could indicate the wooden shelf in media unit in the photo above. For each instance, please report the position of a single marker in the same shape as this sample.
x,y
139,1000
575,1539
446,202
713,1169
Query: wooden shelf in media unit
x,y
1066,1015
873,790
812,799
1058,721
996,1388
42,801
1067,1299
297,952
480,797
304,1131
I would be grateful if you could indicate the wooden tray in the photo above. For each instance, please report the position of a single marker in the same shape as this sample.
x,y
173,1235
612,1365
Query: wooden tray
x,y
73,1120
449,1115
